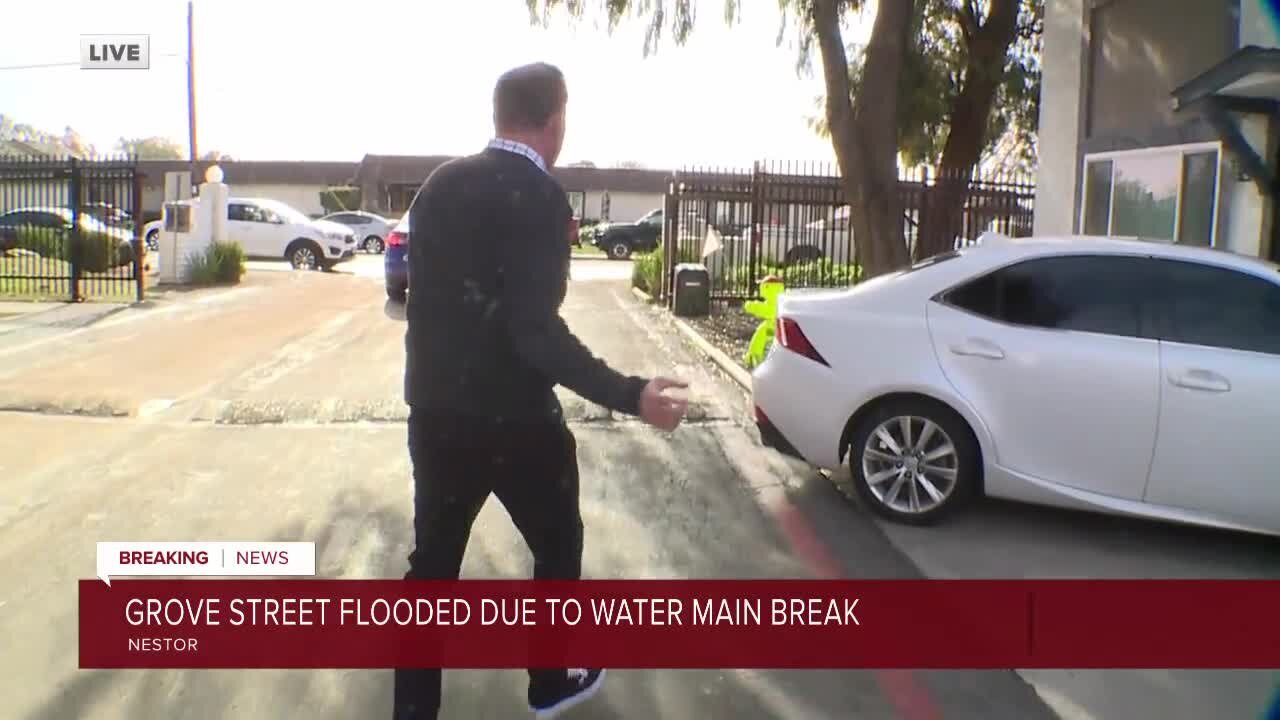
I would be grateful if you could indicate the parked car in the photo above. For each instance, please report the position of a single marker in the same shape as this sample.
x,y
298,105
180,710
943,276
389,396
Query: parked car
x,y
46,231
271,229
370,229
395,263
1110,375
828,238
108,214
620,240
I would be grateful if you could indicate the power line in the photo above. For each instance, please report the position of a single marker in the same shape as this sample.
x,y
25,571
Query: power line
x,y
37,66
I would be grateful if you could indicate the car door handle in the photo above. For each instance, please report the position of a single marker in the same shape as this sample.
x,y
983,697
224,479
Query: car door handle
x,y
1197,379
976,347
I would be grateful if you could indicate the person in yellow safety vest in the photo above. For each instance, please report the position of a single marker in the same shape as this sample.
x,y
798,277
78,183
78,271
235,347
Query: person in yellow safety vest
x,y
767,310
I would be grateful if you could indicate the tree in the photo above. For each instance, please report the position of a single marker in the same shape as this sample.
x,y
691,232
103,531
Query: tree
x,y
970,93
216,156
990,69
150,148
863,127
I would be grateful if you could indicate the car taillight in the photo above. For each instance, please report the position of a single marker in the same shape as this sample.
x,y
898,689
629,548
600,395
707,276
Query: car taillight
x,y
792,338
396,239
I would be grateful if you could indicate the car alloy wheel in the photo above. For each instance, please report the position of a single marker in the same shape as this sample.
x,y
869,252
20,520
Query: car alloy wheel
x,y
914,460
620,251
374,245
910,464
304,258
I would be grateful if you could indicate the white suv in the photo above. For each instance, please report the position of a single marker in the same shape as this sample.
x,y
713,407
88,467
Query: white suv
x,y
271,229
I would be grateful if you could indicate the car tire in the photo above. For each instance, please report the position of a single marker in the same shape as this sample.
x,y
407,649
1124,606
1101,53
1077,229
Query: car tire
x,y
396,294
619,250
374,245
921,484
153,241
304,254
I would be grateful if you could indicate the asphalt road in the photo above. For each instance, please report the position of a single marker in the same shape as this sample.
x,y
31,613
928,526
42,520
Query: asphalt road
x,y
273,412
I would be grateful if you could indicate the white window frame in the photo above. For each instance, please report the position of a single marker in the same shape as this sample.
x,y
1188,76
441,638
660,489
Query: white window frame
x,y
1182,151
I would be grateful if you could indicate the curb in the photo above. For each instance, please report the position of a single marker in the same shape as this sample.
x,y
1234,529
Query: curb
x,y
641,295
731,368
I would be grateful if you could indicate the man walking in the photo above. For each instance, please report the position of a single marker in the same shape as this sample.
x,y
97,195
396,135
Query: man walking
x,y
485,348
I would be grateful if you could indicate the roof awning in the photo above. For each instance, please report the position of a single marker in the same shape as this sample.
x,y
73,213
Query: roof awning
x,y
1249,79
1247,82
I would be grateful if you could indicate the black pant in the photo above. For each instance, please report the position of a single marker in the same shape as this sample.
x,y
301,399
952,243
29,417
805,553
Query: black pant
x,y
533,470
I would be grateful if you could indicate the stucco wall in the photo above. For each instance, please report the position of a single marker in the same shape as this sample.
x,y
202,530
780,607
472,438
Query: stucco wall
x,y
1140,51
1058,176
304,198
623,207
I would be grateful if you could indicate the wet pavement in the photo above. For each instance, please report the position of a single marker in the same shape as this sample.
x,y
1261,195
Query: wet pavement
x,y
272,412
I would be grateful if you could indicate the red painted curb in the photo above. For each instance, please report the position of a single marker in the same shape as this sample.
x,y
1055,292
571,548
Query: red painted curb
x,y
910,699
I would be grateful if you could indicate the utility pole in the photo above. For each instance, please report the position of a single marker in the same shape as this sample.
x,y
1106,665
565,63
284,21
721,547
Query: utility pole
x,y
191,89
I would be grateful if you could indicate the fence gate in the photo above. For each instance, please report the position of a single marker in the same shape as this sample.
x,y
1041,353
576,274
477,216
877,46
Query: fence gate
x,y
69,229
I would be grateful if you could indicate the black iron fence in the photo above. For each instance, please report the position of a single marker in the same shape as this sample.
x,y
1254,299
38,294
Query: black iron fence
x,y
68,229
792,220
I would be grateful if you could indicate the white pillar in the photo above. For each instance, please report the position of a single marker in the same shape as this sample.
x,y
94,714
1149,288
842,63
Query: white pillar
x,y
1062,94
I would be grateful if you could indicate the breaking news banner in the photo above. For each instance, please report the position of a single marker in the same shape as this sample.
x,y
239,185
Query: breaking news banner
x,y
321,623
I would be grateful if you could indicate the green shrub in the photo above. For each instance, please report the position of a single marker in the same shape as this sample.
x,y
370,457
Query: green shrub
x,y
220,264
817,273
98,251
646,271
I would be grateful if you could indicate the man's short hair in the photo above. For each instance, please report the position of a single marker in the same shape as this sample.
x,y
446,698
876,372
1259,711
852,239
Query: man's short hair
x,y
526,97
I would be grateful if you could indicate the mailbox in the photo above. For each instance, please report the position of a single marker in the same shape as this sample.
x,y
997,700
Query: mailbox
x,y
177,217
691,290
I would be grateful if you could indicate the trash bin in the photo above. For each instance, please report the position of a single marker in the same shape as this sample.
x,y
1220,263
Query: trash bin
x,y
692,290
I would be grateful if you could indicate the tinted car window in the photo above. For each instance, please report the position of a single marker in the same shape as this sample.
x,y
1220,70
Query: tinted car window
x,y
1086,293
1214,306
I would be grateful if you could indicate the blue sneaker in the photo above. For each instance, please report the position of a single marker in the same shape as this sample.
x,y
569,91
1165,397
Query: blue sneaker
x,y
550,699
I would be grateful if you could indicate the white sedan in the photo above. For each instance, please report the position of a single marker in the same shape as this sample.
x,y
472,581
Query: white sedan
x,y
1101,374
371,230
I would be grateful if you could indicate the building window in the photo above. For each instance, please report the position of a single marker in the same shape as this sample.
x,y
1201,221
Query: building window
x,y
1168,194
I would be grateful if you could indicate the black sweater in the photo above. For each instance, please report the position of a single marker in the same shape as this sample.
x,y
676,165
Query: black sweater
x,y
489,267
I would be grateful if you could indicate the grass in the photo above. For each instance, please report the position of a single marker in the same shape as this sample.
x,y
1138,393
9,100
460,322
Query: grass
x,y
50,281
586,249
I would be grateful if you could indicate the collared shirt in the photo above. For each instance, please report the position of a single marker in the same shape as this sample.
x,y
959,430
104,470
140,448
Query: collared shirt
x,y
519,148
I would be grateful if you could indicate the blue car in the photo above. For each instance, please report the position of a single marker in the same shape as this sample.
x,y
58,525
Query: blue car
x,y
396,260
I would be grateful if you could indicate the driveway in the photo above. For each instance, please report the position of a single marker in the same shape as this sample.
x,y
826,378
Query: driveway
x,y
273,412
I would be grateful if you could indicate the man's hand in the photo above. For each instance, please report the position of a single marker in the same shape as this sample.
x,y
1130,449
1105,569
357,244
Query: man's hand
x,y
660,410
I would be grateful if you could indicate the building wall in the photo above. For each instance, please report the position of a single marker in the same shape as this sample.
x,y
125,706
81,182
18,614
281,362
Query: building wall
x,y
623,206
1109,72
304,198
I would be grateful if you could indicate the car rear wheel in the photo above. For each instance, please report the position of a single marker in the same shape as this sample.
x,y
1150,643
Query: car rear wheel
x,y
396,293
619,250
305,255
913,461
374,244
153,240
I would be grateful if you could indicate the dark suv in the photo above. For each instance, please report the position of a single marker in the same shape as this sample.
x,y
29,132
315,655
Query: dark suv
x,y
621,240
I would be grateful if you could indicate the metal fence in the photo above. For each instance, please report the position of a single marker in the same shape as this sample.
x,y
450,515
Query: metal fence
x,y
793,220
68,229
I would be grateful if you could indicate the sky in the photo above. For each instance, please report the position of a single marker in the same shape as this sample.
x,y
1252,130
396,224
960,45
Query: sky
x,y
295,80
